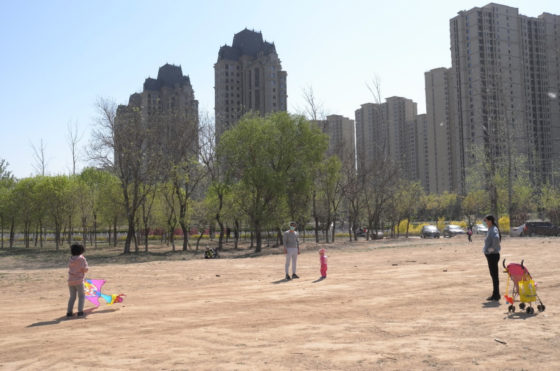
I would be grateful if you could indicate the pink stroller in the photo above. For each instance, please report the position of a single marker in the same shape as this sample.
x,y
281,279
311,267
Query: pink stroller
x,y
524,288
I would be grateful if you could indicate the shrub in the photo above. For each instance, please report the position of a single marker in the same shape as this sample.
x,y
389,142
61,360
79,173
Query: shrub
x,y
441,223
503,223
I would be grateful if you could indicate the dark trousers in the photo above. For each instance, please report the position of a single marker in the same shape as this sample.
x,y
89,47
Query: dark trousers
x,y
493,260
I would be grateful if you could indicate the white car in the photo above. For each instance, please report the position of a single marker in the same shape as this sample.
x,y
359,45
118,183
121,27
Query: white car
x,y
480,229
517,231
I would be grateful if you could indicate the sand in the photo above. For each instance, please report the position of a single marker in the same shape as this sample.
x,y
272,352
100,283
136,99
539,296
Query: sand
x,y
391,304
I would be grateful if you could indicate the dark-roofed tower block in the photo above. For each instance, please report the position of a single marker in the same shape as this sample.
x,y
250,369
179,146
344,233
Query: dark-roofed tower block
x,y
248,77
168,109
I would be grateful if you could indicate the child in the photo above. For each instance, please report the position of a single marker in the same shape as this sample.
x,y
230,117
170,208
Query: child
x,y
77,267
469,233
323,259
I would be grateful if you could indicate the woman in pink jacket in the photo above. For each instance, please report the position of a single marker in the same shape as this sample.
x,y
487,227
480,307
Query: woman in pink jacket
x,y
77,268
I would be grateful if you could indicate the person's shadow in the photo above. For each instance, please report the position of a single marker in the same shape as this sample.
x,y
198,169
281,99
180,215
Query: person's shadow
x,y
491,304
87,312
280,281
319,279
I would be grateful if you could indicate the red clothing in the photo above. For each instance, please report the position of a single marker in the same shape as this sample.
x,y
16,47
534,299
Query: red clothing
x,y
77,268
323,259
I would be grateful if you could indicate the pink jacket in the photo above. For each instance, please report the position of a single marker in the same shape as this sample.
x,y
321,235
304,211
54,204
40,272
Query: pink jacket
x,y
77,268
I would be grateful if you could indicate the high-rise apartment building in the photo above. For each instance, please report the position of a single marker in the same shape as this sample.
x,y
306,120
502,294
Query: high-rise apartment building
x,y
506,72
424,153
401,115
248,77
443,136
341,134
387,130
167,107
371,134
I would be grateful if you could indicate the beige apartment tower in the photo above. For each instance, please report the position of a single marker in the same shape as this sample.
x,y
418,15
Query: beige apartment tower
x,y
443,136
387,130
248,77
341,134
506,72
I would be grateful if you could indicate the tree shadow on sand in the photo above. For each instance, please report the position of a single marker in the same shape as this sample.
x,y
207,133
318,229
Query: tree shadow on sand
x,y
87,313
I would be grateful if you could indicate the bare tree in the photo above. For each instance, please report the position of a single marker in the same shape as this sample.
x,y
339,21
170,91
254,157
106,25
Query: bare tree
x,y
218,183
73,138
40,164
314,112
122,143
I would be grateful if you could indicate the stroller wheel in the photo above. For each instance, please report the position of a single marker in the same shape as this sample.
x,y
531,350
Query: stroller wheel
x,y
540,307
511,308
530,310
522,306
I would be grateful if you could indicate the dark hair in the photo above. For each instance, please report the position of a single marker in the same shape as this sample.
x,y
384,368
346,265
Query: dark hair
x,y
493,221
77,249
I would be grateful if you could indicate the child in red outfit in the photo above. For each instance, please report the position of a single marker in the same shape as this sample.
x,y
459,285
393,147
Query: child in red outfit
x,y
323,260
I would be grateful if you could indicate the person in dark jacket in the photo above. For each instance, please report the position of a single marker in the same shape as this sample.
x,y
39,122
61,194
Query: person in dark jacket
x,y
492,252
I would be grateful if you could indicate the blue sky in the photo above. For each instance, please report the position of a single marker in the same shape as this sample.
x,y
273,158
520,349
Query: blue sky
x,y
58,57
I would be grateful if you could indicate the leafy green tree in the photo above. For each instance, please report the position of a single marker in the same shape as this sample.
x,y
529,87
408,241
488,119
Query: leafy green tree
x,y
475,204
550,203
57,193
24,202
263,154
329,185
7,183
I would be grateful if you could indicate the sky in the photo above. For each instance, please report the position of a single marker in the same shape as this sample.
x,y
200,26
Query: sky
x,y
59,57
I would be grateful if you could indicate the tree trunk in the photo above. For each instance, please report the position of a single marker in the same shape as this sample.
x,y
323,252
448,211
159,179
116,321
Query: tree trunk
x,y
115,232
95,230
316,218
258,237
70,230
236,234
185,230
12,232
199,238
129,236
42,233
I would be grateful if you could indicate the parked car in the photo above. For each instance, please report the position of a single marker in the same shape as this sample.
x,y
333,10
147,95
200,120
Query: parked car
x,y
429,231
361,232
480,229
517,231
540,228
452,230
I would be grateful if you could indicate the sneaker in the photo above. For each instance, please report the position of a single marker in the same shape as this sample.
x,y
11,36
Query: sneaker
x,y
294,276
288,277
80,314
69,315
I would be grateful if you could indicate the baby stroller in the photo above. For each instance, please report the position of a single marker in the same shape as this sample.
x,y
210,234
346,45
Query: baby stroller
x,y
211,253
524,288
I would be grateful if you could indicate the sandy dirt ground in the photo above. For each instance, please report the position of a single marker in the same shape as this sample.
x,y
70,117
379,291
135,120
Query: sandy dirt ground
x,y
391,304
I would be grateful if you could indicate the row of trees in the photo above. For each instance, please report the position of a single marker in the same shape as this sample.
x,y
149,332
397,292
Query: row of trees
x,y
264,172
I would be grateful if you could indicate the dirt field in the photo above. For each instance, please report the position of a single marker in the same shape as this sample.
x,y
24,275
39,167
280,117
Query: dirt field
x,y
407,304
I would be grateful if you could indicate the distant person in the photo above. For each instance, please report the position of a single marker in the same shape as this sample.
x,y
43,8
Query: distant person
x,y
77,268
492,252
323,260
291,249
469,233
